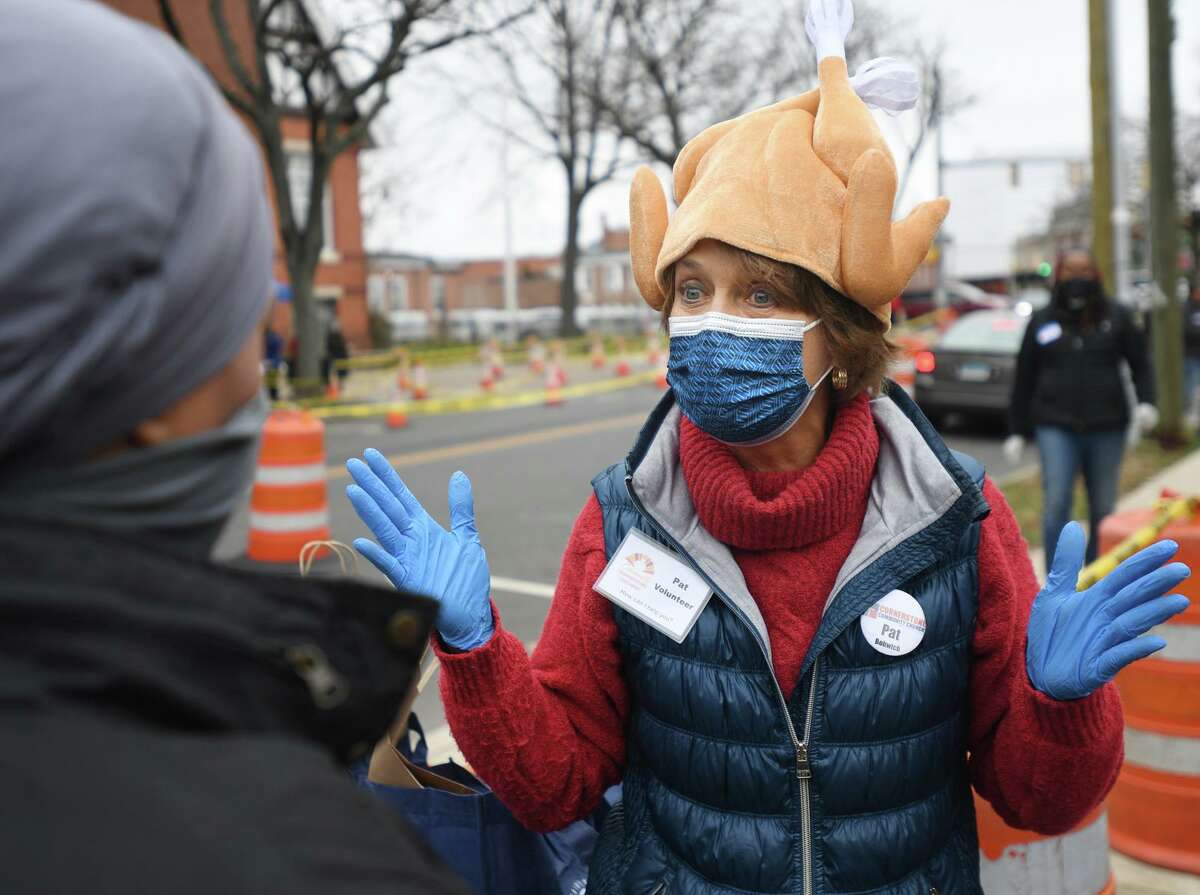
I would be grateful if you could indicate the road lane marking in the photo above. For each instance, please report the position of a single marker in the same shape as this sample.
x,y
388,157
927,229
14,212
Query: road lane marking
x,y
528,588
503,443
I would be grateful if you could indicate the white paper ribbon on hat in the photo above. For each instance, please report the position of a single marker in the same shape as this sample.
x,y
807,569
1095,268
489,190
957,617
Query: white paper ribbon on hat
x,y
887,83
882,83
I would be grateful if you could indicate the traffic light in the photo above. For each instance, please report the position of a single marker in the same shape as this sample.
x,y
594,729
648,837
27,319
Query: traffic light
x,y
1044,269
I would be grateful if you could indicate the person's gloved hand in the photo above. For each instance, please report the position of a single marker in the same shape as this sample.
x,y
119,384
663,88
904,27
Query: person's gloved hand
x,y
1146,417
1079,640
1014,447
418,555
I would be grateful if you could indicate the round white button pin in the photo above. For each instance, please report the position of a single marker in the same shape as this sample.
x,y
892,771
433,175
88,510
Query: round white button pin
x,y
895,625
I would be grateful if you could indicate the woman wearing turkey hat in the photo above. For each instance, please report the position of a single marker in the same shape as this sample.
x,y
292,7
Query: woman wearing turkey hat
x,y
788,616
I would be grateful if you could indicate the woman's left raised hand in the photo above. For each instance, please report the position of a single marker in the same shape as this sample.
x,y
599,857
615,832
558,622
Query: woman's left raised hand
x,y
1079,640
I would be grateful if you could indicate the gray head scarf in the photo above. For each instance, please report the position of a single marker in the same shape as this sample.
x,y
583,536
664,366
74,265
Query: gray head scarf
x,y
135,246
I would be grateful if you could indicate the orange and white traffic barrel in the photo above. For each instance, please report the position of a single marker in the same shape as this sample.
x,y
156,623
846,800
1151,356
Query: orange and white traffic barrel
x,y
1019,862
1155,805
288,505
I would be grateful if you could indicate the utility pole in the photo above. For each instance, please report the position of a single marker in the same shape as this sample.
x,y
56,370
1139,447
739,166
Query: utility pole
x,y
1164,225
1122,283
1099,55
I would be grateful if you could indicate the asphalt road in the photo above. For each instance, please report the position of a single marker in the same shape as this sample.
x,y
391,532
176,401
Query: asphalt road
x,y
530,468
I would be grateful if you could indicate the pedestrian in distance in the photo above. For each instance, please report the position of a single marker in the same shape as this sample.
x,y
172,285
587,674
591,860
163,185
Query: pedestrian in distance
x,y
335,350
166,724
1191,358
1069,395
786,620
272,361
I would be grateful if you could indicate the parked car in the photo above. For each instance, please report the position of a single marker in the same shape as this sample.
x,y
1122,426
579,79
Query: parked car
x,y
970,369
961,297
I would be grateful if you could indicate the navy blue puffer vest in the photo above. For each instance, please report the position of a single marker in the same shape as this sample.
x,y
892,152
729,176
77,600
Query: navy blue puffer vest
x,y
857,781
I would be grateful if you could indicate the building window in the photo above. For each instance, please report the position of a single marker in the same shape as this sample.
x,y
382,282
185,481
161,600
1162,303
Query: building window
x,y
614,278
397,292
299,175
376,292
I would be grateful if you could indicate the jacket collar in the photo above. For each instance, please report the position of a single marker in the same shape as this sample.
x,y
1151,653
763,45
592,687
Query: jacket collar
x,y
919,490
103,621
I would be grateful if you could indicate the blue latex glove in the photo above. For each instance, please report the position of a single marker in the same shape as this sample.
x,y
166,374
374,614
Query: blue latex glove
x,y
418,555
1079,640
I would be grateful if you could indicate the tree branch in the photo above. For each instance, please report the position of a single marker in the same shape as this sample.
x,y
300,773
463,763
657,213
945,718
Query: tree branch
x,y
217,12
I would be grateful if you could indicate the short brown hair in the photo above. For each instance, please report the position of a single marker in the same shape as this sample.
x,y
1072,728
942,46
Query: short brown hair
x,y
854,335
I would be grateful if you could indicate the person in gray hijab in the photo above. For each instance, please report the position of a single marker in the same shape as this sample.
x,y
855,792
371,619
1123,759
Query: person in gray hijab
x,y
165,724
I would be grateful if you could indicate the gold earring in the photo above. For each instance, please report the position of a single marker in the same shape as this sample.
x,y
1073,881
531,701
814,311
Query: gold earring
x,y
839,378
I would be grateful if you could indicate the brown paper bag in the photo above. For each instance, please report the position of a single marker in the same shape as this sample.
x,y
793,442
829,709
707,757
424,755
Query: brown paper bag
x,y
389,768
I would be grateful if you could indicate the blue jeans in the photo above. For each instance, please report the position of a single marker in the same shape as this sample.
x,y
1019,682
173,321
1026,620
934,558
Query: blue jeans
x,y
1064,453
1191,381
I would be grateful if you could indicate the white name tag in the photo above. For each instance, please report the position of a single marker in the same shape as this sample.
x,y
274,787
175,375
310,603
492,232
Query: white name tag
x,y
655,585
1049,332
895,625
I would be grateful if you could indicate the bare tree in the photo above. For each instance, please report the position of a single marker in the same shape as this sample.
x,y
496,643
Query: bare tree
x,y
554,63
696,62
943,95
287,58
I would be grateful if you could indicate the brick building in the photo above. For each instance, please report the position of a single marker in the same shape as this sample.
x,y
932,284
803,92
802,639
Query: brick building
x,y
426,298
342,273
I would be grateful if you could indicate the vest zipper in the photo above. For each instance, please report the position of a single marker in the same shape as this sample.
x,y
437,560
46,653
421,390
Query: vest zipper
x,y
803,769
804,773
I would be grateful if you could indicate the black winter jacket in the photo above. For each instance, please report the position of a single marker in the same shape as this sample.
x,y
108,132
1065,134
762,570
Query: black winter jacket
x,y
1191,328
172,726
1070,376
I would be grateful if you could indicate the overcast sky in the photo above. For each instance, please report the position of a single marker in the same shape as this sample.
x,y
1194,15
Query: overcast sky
x,y
1025,61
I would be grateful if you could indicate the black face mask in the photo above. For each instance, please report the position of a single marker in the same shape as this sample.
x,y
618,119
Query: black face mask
x,y
1074,295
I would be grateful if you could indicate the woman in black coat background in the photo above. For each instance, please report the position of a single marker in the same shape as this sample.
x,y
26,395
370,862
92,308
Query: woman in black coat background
x,y
1070,394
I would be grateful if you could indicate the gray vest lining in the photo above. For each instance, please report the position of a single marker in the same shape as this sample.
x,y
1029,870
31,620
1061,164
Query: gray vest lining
x,y
911,490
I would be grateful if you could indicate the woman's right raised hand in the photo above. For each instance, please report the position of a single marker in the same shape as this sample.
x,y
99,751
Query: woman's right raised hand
x,y
418,555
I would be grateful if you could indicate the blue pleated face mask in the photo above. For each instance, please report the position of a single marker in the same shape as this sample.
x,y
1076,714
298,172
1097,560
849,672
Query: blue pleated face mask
x,y
740,379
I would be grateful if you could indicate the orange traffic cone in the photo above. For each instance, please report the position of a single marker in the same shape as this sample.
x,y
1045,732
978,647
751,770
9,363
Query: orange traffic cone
x,y
397,418
598,359
420,382
554,383
288,506
331,390
537,355
623,368
486,382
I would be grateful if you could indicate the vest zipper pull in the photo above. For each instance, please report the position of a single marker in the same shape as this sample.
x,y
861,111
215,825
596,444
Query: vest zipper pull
x,y
803,770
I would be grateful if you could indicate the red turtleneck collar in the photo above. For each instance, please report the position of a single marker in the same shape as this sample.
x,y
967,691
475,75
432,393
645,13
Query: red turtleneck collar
x,y
783,510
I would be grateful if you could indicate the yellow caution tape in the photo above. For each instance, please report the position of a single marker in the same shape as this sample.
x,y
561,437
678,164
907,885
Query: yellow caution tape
x,y
472,402
1166,512
455,354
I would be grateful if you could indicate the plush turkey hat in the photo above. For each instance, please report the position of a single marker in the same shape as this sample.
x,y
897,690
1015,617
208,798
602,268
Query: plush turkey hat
x,y
808,181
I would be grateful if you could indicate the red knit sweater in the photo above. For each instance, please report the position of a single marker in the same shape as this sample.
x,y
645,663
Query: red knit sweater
x,y
548,733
